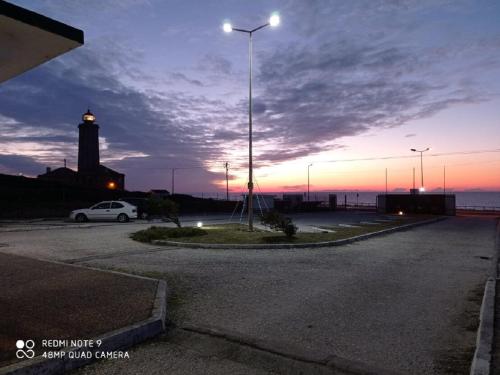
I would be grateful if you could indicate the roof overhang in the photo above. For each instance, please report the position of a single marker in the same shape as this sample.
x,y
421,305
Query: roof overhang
x,y
28,39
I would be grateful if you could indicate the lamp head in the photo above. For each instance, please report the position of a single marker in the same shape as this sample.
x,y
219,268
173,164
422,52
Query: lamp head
x,y
227,27
88,117
274,20
413,149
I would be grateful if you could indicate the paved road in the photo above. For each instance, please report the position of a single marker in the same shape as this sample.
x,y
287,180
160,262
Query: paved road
x,y
60,240
404,301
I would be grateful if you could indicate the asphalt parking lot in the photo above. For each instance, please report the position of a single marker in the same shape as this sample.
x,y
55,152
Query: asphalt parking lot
x,y
405,302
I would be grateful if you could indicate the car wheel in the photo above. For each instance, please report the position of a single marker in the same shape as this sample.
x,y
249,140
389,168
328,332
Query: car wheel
x,y
81,218
122,218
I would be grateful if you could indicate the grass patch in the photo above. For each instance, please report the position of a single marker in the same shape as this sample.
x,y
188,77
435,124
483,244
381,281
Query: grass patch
x,y
239,234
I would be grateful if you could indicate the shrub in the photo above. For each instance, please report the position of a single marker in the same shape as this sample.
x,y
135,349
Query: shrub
x,y
278,222
160,233
164,208
184,232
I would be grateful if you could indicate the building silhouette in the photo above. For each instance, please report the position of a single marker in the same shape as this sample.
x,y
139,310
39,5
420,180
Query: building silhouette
x,y
91,173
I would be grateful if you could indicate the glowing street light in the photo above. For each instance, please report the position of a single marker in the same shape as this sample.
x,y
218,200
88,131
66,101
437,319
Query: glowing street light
x,y
199,224
227,27
422,188
274,20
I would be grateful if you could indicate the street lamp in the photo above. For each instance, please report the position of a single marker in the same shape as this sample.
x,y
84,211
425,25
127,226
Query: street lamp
x,y
274,20
173,180
422,188
309,166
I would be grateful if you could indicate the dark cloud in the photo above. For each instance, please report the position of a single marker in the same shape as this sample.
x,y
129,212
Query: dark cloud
x,y
316,94
410,135
17,164
183,77
215,64
168,129
294,187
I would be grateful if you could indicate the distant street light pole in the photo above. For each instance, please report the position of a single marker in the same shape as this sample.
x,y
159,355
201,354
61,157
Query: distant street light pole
x,y
386,181
309,166
444,179
173,180
274,20
227,180
422,188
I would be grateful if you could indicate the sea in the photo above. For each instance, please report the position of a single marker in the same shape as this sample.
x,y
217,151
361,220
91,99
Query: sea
x,y
479,200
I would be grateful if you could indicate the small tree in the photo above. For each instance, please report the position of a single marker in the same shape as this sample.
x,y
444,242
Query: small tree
x,y
164,208
278,222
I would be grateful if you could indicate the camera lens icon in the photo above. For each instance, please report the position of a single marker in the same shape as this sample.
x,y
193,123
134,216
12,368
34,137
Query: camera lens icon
x,y
28,345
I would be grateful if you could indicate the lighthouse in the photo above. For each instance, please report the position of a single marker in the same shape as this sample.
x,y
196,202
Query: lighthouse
x,y
88,144
91,173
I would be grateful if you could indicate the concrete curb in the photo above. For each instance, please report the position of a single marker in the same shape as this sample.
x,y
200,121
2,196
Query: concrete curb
x,y
343,241
481,362
116,340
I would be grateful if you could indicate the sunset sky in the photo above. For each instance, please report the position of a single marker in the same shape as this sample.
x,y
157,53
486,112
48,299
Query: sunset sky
x,y
337,82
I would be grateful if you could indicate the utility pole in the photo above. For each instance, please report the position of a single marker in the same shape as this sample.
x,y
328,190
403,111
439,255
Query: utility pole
x,y
308,199
173,180
64,163
413,178
444,179
386,181
227,180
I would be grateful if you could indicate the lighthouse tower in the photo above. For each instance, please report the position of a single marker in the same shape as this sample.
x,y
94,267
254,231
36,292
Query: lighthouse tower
x,y
88,144
90,173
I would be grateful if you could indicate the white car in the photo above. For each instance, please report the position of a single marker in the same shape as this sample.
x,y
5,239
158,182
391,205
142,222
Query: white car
x,y
108,210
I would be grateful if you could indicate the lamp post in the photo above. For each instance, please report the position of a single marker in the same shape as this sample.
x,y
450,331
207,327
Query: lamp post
x,y
422,188
309,166
173,180
274,20
226,165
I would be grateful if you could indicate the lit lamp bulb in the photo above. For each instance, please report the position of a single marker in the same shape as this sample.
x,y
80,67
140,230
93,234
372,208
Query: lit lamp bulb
x,y
227,27
199,224
88,116
422,189
111,185
274,20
